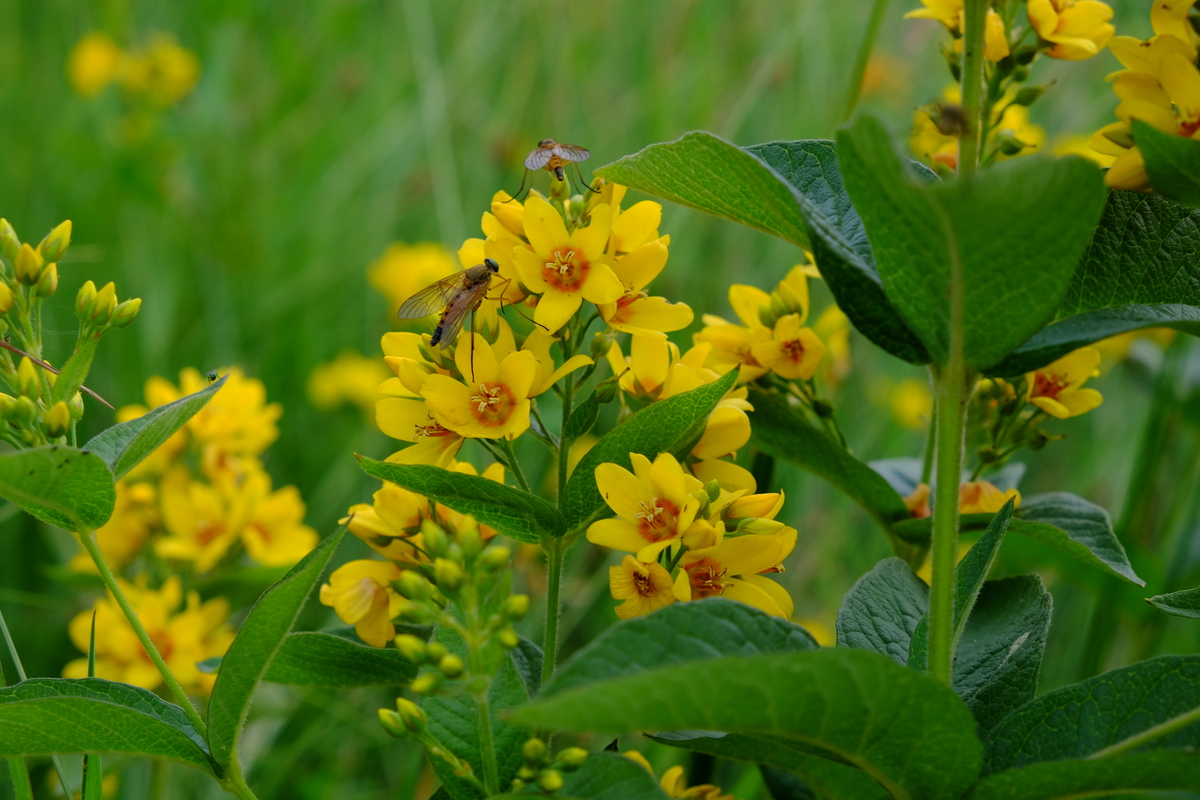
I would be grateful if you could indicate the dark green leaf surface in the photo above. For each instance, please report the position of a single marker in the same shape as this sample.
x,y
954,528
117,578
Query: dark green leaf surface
x,y
583,417
258,641
709,174
59,485
608,776
1078,720
839,242
324,659
124,446
1179,604
516,514
882,610
783,433
909,732
74,372
917,233
678,634
42,716
1172,163
668,426
784,785
1067,780
527,660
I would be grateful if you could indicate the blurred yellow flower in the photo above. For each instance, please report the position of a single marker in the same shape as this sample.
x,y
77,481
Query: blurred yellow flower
x,y
1116,348
350,377
1014,123
951,14
833,328
674,782
134,517
1056,388
1079,146
274,534
982,497
93,64
645,587
655,505
912,403
925,573
404,269
361,594
184,637
1078,29
794,352
162,71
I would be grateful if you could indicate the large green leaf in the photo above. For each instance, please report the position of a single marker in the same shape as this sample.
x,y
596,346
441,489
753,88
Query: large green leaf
x,y
707,173
42,716
1179,604
1034,215
839,242
882,610
1065,521
784,785
678,634
516,514
909,732
60,485
1077,778
672,426
1084,718
783,433
1172,163
325,659
124,446
258,641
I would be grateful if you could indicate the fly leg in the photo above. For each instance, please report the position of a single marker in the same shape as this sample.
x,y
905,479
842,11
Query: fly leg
x,y
517,196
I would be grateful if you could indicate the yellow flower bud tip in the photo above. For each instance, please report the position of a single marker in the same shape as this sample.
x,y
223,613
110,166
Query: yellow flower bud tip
x,y
412,715
29,265
495,558
429,682
27,379
8,404
56,242
550,780
449,574
435,652
48,283
411,647
392,723
572,757
106,303
85,300
412,586
534,750
6,298
451,666
126,312
57,420
516,607
10,245
508,638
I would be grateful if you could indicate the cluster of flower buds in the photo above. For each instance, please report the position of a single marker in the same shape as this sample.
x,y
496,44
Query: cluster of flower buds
x,y
33,267
409,721
98,309
29,416
545,772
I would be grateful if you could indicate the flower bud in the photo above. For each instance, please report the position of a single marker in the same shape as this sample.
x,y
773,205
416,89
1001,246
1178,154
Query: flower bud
x,y
494,558
435,539
1008,144
449,574
85,300
27,379
25,411
508,638
713,490
417,613
572,758
126,312
76,406
765,505
1029,95
411,647
451,666
56,242
606,391
516,607
429,682
105,305
412,586
57,420
412,715
10,245
8,405
29,265
435,652
6,297
527,774
534,750
550,780
601,344
762,527
392,723
48,283
470,541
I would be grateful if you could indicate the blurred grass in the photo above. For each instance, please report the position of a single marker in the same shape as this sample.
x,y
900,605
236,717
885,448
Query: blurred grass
x,y
320,132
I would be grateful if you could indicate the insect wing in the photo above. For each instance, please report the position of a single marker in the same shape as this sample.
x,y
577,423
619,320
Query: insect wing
x,y
572,153
538,157
460,306
432,299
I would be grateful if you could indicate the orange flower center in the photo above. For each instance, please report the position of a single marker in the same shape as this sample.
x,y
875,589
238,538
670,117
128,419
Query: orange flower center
x,y
643,583
432,430
1188,129
793,350
207,532
492,406
1048,385
657,519
567,272
705,576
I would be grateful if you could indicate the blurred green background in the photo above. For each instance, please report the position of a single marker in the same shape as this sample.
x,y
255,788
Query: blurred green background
x,y
245,216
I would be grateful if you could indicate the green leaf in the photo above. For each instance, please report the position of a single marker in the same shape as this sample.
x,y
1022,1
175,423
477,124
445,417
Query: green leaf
x,y
668,426
608,776
709,174
882,610
124,446
42,716
527,660
60,485
258,641
1035,215
1065,521
906,730
678,634
1081,719
324,659
583,417
1172,163
74,372
1179,604
93,770
516,514
1067,780
839,242
781,432
784,785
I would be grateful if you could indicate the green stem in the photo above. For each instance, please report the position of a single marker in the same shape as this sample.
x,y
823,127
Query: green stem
x,y
88,538
554,565
972,85
487,745
1150,734
854,91
564,444
22,789
473,637
235,782
507,448
930,446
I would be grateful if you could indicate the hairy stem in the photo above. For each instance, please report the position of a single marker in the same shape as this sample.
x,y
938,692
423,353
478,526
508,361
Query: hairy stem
x,y
1150,734
507,448
854,90
235,782
972,85
554,563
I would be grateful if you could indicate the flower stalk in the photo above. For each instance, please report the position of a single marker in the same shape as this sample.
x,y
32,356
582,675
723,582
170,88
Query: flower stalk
x,y
972,85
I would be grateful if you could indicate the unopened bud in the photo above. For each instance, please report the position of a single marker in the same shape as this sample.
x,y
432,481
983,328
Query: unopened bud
x,y
25,411
106,303
527,774
550,780
10,245
449,574
8,405
57,420
429,682
601,344
495,558
76,406
48,283
762,527
435,539
451,666
56,242
85,300
412,715
417,613
411,647
470,541
126,312
572,757
1009,145
29,265
6,297
516,607
1029,95
392,723
508,638
607,390
412,586
28,383
534,750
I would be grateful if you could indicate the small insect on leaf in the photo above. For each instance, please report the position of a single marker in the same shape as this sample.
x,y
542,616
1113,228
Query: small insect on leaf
x,y
212,376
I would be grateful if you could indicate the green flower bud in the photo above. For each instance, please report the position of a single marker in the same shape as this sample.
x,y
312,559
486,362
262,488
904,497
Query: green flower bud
x,y
417,613
29,265
126,312
57,420
516,607
85,301
1029,95
449,574
429,682
518,784
470,541
48,283
28,382
411,647
572,757
105,305
436,540
76,406
494,558
56,242
534,750
412,586
392,723
762,527
6,297
550,780
412,715
451,666
508,638
601,343
713,490
8,405
1009,145
10,245
527,774
26,411
435,652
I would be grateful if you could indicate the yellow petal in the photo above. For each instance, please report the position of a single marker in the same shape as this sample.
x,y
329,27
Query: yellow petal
x,y
622,490
1181,80
637,269
751,595
746,302
594,238
544,227
555,308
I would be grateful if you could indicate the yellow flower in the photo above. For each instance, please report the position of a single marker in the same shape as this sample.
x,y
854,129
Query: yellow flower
x,y
1056,389
1079,146
951,14
655,505
565,269
133,517
633,227
274,533
635,311
982,497
931,145
728,475
184,637
494,401
348,378
793,353
1078,29
162,71
925,573
912,403
732,569
833,328
645,588
917,501
1170,18
645,370
403,414
404,269
675,784
391,524
93,64
361,594
1116,348
202,522
539,343
947,12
